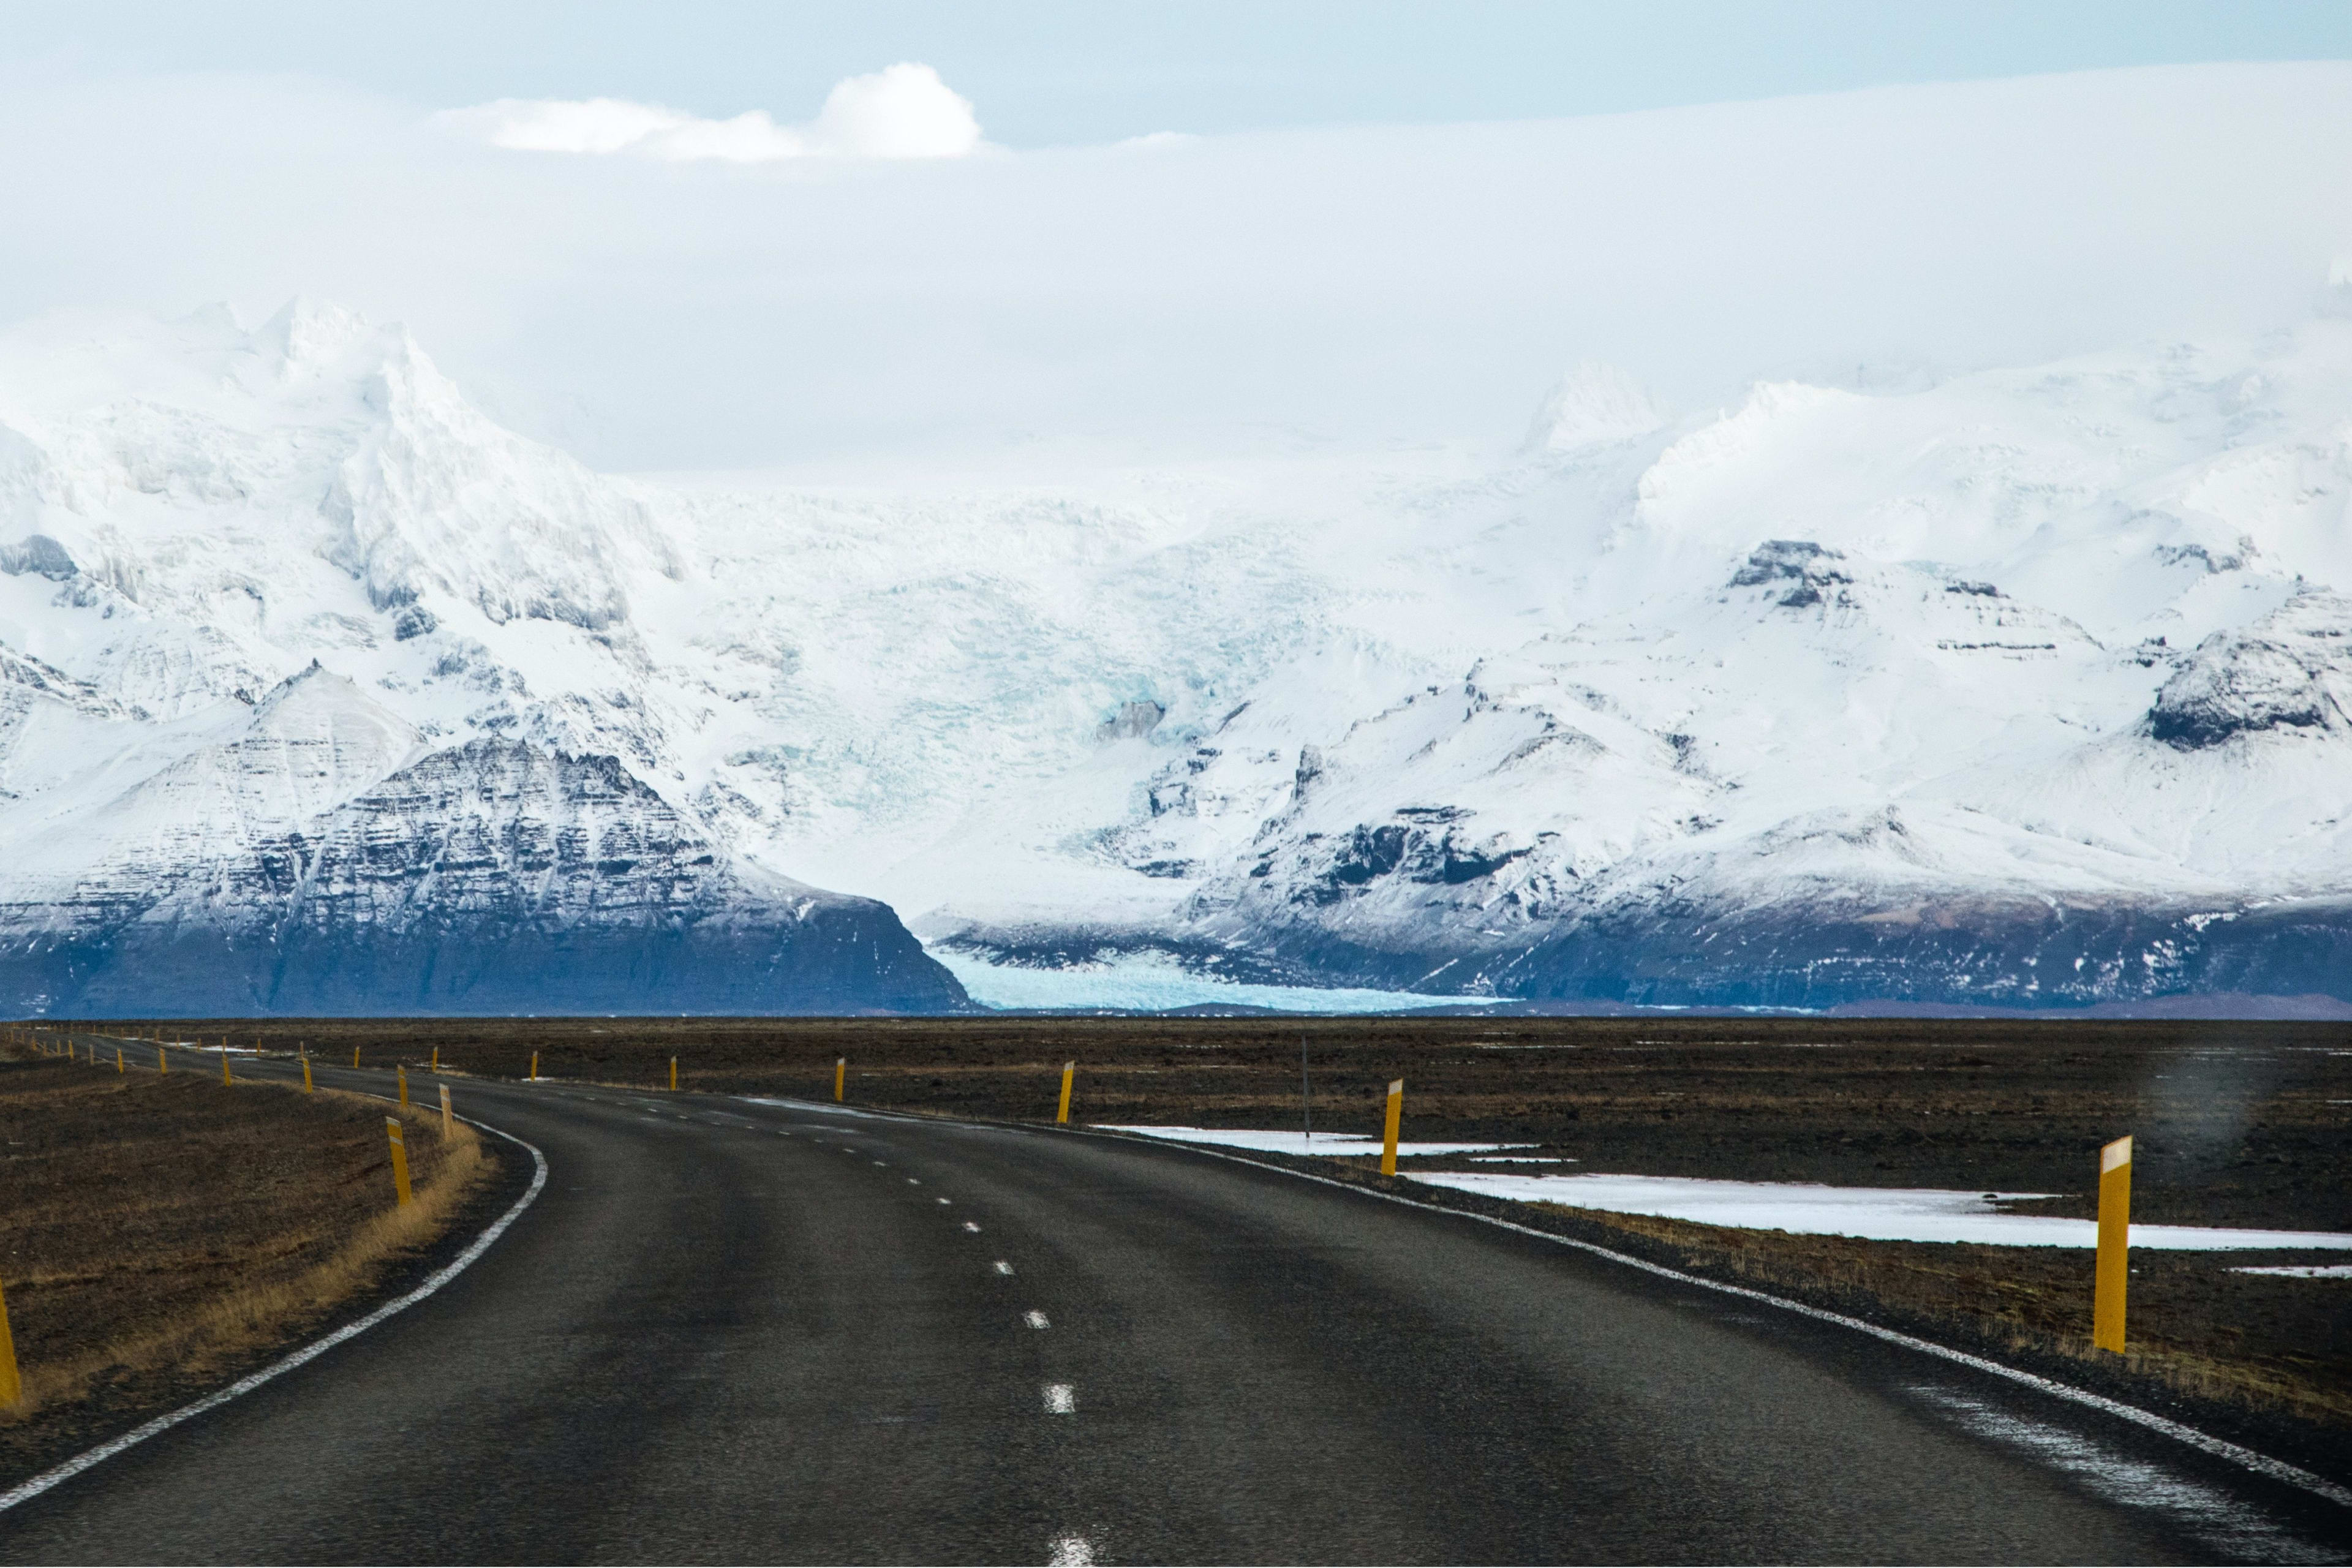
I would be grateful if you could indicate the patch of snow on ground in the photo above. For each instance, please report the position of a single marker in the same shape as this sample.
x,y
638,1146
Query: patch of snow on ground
x,y
1872,1214
2304,1270
1288,1140
1150,985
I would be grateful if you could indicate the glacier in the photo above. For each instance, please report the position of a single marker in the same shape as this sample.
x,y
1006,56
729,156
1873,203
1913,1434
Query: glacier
x,y
320,691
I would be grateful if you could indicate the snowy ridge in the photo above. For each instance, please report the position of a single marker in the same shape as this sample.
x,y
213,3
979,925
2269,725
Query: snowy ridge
x,y
2029,686
2047,704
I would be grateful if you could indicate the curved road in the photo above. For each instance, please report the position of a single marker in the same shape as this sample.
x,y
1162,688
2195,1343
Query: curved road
x,y
734,1331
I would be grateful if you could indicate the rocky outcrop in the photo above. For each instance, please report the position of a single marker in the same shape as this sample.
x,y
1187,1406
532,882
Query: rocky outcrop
x,y
1797,569
2290,671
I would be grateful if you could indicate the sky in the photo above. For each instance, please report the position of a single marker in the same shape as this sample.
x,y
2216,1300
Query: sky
x,y
892,238
1077,71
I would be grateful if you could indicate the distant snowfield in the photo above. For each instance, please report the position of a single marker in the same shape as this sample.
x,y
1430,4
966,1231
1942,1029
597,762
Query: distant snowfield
x,y
1871,1214
1146,983
1295,1141
2304,1270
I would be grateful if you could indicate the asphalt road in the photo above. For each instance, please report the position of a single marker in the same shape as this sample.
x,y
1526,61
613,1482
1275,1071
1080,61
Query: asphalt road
x,y
745,1332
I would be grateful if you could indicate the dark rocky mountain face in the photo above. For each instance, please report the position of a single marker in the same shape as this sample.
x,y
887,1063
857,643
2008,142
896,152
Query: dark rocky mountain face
x,y
1680,953
488,878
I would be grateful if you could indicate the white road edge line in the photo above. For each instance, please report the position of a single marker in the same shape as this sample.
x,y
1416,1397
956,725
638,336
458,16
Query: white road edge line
x,y
30,1490
2260,1464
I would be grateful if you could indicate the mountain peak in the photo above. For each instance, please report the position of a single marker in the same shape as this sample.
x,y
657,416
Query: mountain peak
x,y
309,337
1593,405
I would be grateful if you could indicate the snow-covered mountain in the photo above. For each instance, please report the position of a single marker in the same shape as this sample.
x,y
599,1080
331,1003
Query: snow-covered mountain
x,y
216,537
320,691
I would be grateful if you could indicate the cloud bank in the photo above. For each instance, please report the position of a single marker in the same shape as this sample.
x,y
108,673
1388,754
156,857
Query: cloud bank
x,y
1333,289
903,112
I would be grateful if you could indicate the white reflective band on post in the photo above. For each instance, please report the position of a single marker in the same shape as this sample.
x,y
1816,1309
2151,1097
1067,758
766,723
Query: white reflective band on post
x,y
2116,1153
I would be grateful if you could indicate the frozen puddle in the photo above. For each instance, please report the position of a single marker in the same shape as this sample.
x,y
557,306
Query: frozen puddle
x,y
1146,984
1871,1214
2305,1271
1289,1140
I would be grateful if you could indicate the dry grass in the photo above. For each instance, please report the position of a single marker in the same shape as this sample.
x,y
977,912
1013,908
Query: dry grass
x,y
2235,1123
165,1231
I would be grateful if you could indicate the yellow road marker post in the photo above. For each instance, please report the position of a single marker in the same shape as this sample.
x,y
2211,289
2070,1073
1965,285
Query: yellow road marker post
x,y
1388,1135
437,1058
162,1059
673,1075
1069,1072
2115,1245
840,1078
356,1056
120,1065
535,1066
306,1076
399,1160
12,1387
448,1117
224,1078
401,1073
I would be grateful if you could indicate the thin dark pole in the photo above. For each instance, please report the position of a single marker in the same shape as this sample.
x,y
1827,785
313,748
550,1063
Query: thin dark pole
x,y
1306,1098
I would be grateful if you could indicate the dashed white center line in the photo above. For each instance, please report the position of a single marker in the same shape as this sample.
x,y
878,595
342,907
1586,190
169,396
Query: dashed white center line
x,y
1061,1399
943,1200
1035,1320
1002,1267
913,1181
1070,1551
972,1227
881,1165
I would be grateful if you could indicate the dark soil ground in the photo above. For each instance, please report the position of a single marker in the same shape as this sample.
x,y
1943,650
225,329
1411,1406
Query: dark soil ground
x,y
164,1234
2233,1123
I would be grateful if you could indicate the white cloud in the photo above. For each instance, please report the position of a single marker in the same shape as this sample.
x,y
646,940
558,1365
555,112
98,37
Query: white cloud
x,y
903,112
